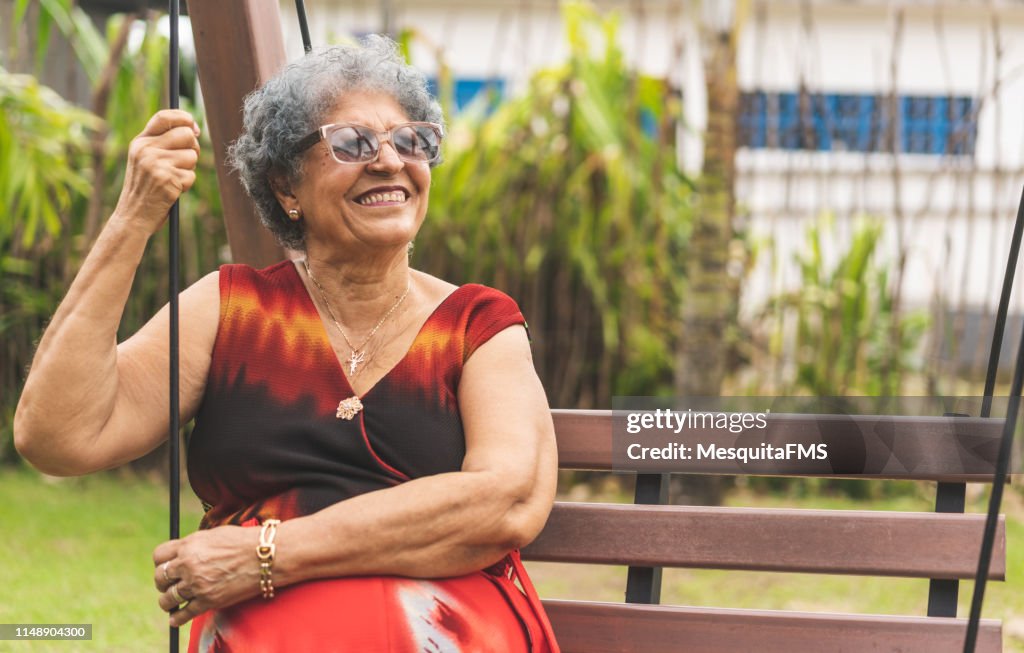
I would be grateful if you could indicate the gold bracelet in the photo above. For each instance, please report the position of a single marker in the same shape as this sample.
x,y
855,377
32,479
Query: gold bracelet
x,y
265,553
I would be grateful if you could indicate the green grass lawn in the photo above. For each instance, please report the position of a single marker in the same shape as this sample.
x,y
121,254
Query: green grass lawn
x,y
79,551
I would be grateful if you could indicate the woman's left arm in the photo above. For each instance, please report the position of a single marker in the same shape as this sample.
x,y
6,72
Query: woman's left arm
x,y
436,526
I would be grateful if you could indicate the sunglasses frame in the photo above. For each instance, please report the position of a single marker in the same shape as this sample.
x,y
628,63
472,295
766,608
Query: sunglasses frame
x,y
387,136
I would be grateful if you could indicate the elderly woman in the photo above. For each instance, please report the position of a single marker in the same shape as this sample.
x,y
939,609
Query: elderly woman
x,y
372,444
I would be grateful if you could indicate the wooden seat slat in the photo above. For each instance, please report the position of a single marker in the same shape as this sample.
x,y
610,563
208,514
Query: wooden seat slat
x,y
591,627
606,627
910,545
938,448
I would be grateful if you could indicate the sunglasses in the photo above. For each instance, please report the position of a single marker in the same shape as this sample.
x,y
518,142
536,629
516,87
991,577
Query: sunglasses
x,y
415,142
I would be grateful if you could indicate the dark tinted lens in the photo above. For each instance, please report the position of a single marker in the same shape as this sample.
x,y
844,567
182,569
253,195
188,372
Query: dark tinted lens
x,y
353,144
417,142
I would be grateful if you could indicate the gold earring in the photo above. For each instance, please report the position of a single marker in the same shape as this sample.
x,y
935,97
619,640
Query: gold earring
x,y
294,214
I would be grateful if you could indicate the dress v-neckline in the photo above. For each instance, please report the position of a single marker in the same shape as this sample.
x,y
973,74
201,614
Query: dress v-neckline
x,y
325,337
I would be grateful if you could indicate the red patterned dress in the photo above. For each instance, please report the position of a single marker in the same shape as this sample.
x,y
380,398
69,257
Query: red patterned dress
x,y
267,444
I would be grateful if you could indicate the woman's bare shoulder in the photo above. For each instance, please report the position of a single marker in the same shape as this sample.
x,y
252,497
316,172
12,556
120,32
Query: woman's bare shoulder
x,y
206,288
434,289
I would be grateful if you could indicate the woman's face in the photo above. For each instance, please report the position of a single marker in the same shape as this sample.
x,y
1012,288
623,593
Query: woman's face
x,y
378,205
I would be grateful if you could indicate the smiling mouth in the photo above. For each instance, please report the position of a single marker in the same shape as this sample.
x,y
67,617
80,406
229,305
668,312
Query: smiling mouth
x,y
387,198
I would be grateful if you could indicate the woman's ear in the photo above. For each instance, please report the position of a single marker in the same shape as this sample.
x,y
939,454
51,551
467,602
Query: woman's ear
x,y
283,191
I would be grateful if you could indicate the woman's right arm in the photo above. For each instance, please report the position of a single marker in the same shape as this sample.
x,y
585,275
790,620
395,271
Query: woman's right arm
x,y
89,403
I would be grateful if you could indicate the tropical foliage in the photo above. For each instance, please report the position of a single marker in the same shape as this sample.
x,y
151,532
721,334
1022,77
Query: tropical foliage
x,y
43,148
569,198
831,336
61,169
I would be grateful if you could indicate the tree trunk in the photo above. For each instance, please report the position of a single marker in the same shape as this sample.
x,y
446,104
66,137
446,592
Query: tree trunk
x,y
710,304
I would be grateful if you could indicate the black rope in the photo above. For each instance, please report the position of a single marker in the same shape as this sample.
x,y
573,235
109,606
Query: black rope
x,y
1004,305
995,501
1006,443
307,43
173,258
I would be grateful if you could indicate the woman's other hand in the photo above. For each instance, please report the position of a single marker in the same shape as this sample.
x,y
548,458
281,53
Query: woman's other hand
x,y
161,166
209,569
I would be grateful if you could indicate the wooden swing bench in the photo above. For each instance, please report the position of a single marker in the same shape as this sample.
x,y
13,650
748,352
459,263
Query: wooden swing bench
x,y
647,535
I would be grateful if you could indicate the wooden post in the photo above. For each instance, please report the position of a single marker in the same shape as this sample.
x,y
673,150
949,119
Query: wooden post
x,y
239,46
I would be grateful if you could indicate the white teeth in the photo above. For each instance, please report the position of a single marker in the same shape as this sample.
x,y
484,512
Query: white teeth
x,y
377,198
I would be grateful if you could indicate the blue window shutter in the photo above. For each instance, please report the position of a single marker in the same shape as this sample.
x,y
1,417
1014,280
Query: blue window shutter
x,y
468,88
931,125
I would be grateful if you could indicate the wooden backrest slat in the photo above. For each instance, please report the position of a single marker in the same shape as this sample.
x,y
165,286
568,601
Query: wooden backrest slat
x,y
586,627
913,545
931,448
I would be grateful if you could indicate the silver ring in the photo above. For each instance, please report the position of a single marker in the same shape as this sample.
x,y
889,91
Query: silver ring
x,y
178,598
167,576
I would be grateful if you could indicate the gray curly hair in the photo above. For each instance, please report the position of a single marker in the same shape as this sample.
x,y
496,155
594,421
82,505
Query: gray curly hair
x,y
298,100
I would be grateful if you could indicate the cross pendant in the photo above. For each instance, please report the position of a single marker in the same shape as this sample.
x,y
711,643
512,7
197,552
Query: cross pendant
x,y
354,361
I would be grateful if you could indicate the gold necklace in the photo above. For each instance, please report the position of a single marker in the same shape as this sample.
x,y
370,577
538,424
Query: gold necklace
x,y
358,355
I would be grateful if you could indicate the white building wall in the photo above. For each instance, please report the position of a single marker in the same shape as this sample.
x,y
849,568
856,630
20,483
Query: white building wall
x,y
504,38
952,216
